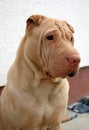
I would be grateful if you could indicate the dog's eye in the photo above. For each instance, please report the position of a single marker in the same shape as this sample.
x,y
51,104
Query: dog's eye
x,y
50,37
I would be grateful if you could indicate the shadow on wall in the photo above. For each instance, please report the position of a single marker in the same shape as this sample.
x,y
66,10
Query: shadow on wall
x,y
79,85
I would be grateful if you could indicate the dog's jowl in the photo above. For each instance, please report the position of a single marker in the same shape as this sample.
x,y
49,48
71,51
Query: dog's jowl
x,y
36,93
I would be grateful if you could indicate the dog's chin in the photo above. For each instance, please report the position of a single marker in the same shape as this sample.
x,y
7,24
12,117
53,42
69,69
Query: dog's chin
x,y
62,75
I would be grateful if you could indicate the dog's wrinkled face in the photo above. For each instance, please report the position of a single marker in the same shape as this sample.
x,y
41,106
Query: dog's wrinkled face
x,y
51,42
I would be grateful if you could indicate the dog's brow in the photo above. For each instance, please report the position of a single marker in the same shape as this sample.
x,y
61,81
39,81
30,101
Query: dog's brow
x,y
61,28
64,31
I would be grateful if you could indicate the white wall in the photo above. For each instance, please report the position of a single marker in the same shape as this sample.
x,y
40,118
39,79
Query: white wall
x,y
13,15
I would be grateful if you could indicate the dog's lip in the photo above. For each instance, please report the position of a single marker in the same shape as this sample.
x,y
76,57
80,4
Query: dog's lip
x,y
71,74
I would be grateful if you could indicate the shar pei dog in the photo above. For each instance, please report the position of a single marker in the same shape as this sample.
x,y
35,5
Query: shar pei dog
x,y
36,93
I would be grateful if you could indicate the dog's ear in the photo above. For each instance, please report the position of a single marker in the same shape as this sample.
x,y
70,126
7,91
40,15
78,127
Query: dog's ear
x,y
70,27
34,20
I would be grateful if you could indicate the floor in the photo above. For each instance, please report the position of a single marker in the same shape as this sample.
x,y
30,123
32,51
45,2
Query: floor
x,y
79,123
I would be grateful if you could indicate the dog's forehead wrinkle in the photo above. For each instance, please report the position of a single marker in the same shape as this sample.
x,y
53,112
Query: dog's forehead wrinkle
x,y
65,32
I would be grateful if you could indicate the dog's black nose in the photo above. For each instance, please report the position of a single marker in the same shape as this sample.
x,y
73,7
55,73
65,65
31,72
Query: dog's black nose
x,y
73,59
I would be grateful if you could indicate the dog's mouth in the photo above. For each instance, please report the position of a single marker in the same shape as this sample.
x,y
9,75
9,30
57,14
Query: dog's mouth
x,y
70,74
48,74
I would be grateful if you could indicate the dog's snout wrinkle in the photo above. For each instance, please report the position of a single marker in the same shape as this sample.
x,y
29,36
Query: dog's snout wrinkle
x,y
73,60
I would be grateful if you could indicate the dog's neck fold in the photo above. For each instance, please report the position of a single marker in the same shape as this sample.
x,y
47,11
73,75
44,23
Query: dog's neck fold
x,y
38,76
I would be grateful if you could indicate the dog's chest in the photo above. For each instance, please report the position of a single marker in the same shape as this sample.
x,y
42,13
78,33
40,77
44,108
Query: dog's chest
x,y
48,105
44,106
46,114
50,113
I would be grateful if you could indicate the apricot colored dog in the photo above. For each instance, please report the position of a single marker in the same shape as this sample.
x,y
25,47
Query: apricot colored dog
x,y
36,94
